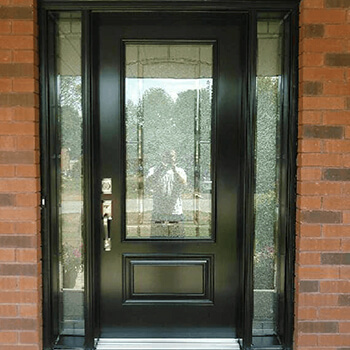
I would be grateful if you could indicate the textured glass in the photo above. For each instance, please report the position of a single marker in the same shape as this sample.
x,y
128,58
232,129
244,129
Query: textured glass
x,y
266,196
70,179
168,116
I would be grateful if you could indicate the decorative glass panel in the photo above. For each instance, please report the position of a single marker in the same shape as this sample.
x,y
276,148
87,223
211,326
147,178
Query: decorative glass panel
x,y
168,119
70,176
267,167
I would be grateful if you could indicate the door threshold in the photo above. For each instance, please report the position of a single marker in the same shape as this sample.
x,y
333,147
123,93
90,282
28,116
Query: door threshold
x,y
167,344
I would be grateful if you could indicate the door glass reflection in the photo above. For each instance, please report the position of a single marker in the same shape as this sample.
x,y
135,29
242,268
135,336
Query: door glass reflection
x,y
168,116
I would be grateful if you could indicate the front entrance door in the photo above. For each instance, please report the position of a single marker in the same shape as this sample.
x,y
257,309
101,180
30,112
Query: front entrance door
x,y
169,110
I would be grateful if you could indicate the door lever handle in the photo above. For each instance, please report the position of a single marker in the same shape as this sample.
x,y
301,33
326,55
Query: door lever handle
x,y
107,221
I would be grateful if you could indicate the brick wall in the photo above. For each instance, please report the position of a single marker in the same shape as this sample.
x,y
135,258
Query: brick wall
x,y
20,282
323,230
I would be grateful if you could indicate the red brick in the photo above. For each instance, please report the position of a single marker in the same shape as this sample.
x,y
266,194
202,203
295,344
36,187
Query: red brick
x,y
26,114
336,203
307,146
337,3
29,337
337,146
24,56
27,255
6,227
28,310
322,16
26,227
28,199
19,185
310,230
337,31
7,254
320,45
25,85
336,231
27,170
5,56
314,244
27,142
346,217
309,202
24,99
6,114
345,272
322,74
5,27
8,283
22,347
7,143
345,245
7,170
28,283
319,272
8,310
8,337
319,188
341,313
336,118
5,85
26,3
334,340
12,297
18,157
16,269
318,327
309,259
336,89
311,59
316,159
344,327
335,287
306,340
19,128
305,174
18,323
11,42
311,4
306,313
310,117
322,103
18,213
23,27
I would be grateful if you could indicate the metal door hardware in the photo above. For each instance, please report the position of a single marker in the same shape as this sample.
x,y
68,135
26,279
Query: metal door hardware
x,y
107,221
106,185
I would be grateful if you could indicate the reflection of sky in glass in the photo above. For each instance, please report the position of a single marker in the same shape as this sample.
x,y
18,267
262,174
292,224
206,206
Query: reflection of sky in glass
x,y
135,87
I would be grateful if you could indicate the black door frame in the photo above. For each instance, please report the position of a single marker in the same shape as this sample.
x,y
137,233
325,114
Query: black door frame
x,y
251,8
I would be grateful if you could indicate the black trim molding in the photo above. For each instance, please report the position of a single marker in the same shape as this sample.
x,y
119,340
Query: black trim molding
x,y
49,163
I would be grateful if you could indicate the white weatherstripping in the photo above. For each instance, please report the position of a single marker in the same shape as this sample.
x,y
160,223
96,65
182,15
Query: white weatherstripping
x,y
167,344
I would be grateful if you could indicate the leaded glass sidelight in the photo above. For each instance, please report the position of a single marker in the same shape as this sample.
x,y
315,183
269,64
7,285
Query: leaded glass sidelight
x,y
267,154
168,121
70,175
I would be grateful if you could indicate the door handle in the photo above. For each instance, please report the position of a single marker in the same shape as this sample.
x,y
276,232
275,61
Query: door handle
x,y
107,221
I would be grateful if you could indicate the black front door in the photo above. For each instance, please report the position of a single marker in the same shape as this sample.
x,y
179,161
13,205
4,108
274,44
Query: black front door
x,y
169,119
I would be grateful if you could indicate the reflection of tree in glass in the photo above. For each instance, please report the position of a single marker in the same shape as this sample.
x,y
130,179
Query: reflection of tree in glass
x,y
169,125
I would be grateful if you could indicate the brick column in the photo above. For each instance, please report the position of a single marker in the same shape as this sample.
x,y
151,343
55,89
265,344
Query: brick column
x,y
20,267
323,229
